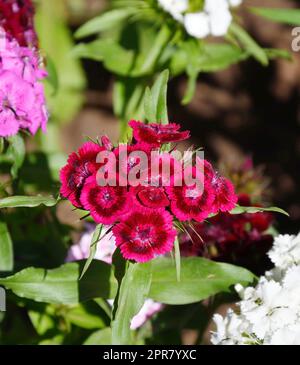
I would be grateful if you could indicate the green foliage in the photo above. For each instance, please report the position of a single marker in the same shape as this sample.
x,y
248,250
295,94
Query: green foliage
x,y
6,247
249,44
199,280
27,201
56,42
281,15
242,210
62,285
104,22
156,100
134,290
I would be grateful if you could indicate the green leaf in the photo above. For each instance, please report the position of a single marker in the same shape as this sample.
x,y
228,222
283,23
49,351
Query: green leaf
x,y
93,249
6,248
157,49
27,201
103,22
281,15
200,279
155,103
56,41
52,74
62,285
115,58
249,44
102,337
84,316
240,210
133,293
219,56
177,259
17,153
273,53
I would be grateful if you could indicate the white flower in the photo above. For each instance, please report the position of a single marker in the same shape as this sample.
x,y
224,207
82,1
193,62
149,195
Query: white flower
x,y
235,2
214,19
175,7
285,251
197,24
269,312
219,22
212,6
288,335
230,329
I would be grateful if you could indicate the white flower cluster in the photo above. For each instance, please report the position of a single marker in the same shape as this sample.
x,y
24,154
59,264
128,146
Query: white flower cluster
x,y
269,314
214,19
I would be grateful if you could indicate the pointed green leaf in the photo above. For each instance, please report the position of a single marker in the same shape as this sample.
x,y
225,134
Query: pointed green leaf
x,y
93,248
177,259
102,337
156,100
27,201
103,22
6,248
240,210
133,293
249,44
200,279
62,285
17,153
281,15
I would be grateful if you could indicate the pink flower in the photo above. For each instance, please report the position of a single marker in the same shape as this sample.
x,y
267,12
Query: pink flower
x,y
145,233
157,134
17,99
105,203
191,201
150,196
149,309
225,197
22,99
105,247
79,167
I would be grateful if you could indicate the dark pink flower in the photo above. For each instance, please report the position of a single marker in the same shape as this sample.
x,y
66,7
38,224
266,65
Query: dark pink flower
x,y
150,196
17,18
225,196
106,143
105,203
191,201
157,134
125,160
79,167
144,234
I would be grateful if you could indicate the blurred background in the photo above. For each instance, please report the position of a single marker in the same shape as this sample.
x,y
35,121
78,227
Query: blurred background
x,y
246,111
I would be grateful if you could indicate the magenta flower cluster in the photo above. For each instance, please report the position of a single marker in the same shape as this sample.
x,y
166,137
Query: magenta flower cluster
x,y
22,99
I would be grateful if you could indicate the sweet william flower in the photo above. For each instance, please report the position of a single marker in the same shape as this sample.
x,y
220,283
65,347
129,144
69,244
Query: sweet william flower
x,y
17,18
150,196
144,234
106,204
225,198
17,99
79,167
286,251
191,201
23,103
157,134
